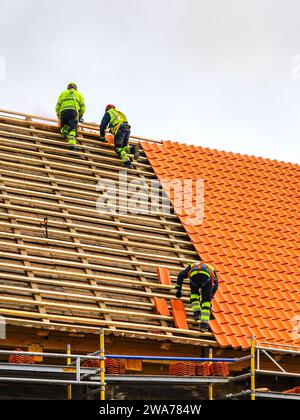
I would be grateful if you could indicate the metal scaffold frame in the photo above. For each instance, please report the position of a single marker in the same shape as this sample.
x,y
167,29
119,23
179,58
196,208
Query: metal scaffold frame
x,y
257,349
96,377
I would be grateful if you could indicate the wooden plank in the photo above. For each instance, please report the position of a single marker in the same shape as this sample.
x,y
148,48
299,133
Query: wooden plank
x,y
30,274
90,287
98,322
66,306
64,233
99,248
75,274
71,174
81,201
28,146
46,212
75,297
110,174
201,341
88,126
90,232
83,190
61,157
100,257
56,135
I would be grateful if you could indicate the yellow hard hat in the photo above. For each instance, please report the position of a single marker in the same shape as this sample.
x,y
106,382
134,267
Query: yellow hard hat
x,y
72,85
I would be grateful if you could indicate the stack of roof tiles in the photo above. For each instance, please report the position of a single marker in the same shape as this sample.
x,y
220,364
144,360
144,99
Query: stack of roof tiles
x,y
203,369
115,367
250,233
182,369
20,359
112,366
91,363
220,369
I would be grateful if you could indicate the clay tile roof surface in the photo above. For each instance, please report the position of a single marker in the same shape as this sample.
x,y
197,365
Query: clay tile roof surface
x,y
250,233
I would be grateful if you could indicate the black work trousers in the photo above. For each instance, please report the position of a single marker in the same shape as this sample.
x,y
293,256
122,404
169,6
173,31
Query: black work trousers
x,y
122,137
69,117
201,284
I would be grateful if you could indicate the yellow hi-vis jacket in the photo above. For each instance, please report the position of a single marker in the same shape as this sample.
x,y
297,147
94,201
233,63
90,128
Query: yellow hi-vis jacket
x,y
116,119
71,100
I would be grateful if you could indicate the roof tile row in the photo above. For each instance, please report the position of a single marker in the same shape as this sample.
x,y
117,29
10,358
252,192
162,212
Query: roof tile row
x,y
250,233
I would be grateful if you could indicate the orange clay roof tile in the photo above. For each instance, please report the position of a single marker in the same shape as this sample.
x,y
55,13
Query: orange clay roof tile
x,y
250,233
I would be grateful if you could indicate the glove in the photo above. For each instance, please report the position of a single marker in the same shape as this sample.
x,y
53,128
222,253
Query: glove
x,y
103,140
179,294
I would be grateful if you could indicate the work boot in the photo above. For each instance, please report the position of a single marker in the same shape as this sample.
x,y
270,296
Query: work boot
x,y
197,315
135,151
65,131
128,164
203,327
125,159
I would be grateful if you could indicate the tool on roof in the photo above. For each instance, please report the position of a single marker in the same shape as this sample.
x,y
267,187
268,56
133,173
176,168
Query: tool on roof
x,y
46,220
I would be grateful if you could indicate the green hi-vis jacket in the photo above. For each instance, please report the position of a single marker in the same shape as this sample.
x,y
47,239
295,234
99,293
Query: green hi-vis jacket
x,y
116,119
70,99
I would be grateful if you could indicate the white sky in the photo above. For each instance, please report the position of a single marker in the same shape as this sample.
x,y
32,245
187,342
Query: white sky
x,y
216,73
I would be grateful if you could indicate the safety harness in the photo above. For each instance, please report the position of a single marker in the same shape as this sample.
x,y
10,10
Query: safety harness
x,y
201,268
117,118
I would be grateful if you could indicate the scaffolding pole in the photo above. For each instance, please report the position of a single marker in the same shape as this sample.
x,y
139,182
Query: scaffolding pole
x,y
69,360
211,387
253,348
102,366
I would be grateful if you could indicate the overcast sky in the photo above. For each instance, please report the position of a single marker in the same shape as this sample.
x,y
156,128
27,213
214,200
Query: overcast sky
x,y
223,74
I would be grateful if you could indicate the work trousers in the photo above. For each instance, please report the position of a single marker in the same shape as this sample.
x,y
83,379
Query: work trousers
x,y
122,138
69,117
201,284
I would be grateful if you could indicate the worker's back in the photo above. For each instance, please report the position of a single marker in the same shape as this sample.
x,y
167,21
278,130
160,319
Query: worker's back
x,y
70,100
117,117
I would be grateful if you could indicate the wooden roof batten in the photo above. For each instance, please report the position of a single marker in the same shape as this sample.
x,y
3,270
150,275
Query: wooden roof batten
x,y
94,269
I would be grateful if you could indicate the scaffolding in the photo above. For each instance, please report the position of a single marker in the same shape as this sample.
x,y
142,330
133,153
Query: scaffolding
x,y
266,349
71,373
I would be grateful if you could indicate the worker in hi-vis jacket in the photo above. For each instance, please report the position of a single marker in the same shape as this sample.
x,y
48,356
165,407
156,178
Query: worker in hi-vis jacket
x,y
203,280
70,109
120,129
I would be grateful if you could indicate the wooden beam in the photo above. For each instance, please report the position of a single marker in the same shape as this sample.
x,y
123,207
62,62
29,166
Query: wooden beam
x,y
69,160
67,306
88,203
28,146
99,322
79,189
37,230
122,333
76,274
92,232
63,253
97,248
87,126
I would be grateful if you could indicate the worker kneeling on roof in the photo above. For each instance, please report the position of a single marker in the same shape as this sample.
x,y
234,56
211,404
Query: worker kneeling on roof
x,y
70,109
203,277
120,129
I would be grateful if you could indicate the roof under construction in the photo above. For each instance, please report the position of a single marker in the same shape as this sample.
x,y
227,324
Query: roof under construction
x,y
68,265
250,232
